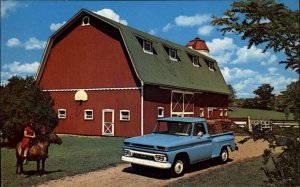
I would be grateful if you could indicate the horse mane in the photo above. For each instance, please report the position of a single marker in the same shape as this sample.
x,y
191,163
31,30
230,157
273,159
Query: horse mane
x,y
43,137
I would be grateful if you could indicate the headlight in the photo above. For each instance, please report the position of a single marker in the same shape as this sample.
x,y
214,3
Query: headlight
x,y
160,158
127,152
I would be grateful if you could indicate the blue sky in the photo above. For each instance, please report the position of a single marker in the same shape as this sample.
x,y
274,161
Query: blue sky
x,y
27,25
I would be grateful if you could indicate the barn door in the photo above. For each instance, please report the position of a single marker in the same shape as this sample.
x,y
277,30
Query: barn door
x,y
182,104
108,122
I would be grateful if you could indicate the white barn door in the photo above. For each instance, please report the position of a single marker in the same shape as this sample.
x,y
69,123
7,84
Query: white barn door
x,y
108,122
182,104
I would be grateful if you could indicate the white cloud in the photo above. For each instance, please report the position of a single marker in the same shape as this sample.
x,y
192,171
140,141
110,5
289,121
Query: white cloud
x,y
34,43
253,54
167,27
13,42
205,30
221,49
109,13
245,81
30,44
153,31
192,20
272,70
56,26
7,6
237,73
18,68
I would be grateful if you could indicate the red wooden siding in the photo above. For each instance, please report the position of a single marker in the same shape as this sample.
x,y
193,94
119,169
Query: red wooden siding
x,y
88,57
97,101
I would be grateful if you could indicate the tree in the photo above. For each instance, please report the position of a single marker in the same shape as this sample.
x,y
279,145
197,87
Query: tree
x,y
232,97
291,99
275,27
265,98
265,22
22,100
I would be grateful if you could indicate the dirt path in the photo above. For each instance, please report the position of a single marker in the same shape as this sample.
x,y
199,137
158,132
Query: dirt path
x,y
124,175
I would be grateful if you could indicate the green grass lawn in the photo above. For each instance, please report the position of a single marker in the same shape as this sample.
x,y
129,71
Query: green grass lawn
x,y
247,173
76,155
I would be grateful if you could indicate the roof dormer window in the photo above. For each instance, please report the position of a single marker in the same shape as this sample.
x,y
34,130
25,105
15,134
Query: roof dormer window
x,y
147,47
173,54
85,21
211,66
196,61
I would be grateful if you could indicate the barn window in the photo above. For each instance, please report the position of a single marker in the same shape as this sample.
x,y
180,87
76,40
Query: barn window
x,y
147,47
210,112
160,112
124,115
225,112
201,112
173,54
211,66
88,114
196,61
85,21
62,113
221,112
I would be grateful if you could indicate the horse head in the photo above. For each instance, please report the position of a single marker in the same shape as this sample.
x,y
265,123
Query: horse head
x,y
54,138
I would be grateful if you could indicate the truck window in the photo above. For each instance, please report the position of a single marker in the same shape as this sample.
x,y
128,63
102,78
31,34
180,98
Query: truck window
x,y
173,128
199,129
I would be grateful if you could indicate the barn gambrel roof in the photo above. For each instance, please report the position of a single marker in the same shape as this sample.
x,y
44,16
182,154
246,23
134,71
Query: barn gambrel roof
x,y
157,68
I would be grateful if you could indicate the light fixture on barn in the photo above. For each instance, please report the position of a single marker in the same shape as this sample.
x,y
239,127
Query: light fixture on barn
x,y
81,96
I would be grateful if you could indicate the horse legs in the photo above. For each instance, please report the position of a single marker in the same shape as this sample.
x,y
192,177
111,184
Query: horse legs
x,y
18,165
43,165
38,167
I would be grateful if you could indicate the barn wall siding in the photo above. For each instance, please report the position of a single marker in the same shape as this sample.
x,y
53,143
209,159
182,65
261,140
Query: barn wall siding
x,y
97,101
88,57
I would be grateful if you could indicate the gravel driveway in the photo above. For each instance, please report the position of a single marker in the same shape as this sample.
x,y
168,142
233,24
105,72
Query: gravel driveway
x,y
123,175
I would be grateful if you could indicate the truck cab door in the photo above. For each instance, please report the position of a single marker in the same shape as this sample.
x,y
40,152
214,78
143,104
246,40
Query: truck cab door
x,y
202,149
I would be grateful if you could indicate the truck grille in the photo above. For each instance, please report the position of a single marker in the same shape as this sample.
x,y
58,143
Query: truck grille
x,y
147,157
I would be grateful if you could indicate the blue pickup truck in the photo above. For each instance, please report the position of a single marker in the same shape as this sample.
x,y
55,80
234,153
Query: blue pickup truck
x,y
176,143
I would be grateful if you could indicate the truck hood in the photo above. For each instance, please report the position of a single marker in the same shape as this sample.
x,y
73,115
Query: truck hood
x,y
157,141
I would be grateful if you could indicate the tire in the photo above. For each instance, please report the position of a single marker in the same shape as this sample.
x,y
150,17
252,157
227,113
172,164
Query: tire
x,y
179,167
224,155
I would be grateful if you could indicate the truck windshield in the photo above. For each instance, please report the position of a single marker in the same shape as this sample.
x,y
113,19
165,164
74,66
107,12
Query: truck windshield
x,y
173,128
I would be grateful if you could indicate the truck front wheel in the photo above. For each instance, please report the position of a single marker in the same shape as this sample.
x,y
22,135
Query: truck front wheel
x,y
223,158
179,167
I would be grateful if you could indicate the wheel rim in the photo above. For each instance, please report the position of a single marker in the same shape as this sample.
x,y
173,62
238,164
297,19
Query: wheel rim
x,y
224,155
178,168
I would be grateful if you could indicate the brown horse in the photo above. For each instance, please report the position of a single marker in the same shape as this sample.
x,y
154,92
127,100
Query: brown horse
x,y
37,152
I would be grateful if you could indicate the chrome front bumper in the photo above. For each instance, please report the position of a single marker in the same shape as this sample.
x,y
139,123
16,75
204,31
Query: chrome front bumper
x,y
149,163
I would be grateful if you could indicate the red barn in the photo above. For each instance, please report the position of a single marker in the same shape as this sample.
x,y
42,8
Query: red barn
x,y
109,79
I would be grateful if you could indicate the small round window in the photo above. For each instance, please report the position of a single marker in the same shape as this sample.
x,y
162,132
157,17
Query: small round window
x,y
85,21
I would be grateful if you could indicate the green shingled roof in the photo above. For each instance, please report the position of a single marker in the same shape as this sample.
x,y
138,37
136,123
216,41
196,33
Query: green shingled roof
x,y
158,69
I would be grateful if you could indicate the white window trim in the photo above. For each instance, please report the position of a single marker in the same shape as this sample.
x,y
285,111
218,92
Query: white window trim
x,y
121,115
85,24
225,112
201,112
146,51
86,116
163,112
172,58
196,65
61,116
211,67
221,112
210,109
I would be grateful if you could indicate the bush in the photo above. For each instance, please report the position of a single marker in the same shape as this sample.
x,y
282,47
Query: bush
x,y
22,100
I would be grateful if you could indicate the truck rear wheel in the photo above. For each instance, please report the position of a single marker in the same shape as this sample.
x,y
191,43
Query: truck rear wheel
x,y
224,155
179,167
